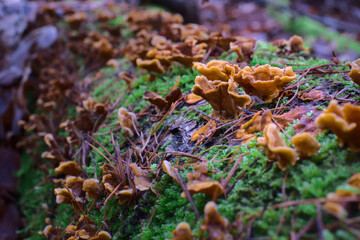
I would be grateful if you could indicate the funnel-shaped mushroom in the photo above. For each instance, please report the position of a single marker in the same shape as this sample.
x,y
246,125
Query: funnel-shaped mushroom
x,y
222,96
344,122
265,81
276,148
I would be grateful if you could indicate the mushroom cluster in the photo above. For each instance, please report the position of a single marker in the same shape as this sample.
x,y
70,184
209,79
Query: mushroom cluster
x,y
162,40
277,150
344,121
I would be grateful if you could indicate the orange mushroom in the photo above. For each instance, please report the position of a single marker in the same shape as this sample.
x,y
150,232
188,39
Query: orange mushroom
x,y
276,148
355,71
264,81
306,144
216,70
344,122
222,96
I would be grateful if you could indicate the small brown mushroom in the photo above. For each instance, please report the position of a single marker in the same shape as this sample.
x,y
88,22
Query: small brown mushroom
x,y
182,232
199,182
170,170
152,65
51,232
305,144
141,177
127,121
296,44
276,148
244,48
163,105
125,195
256,124
355,71
216,225
69,168
102,235
94,190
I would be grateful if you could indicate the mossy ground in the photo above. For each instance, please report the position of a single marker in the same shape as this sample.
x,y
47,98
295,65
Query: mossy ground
x,y
154,217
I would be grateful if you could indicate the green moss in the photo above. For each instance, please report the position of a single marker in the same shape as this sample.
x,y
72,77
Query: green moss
x,y
34,192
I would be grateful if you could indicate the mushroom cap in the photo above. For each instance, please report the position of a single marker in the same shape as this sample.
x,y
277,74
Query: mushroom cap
x,y
94,190
306,144
192,98
216,225
335,208
152,65
125,195
170,170
355,180
344,122
355,71
296,44
204,132
222,96
102,235
244,48
141,178
264,81
216,70
276,148
127,121
182,232
156,100
69,168
208,187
